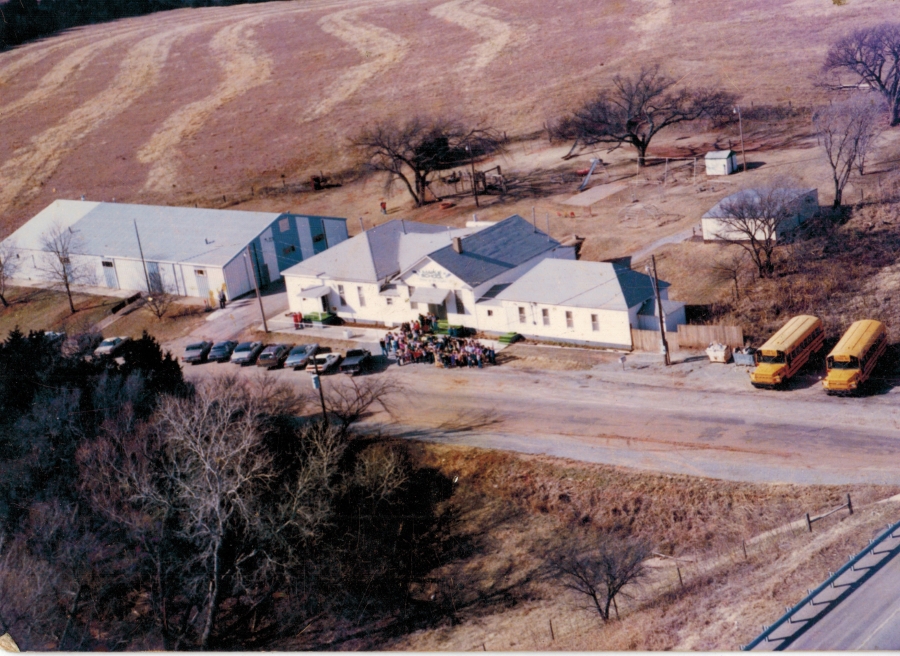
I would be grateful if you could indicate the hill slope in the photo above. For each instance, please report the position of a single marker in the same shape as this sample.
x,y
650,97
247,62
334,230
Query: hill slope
x,y
187,105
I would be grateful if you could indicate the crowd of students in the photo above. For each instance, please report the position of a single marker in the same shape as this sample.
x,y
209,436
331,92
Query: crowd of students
x,y
415,343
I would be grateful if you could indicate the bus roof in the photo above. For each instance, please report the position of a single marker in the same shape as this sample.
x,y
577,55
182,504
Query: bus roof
x,y
858,337
790,333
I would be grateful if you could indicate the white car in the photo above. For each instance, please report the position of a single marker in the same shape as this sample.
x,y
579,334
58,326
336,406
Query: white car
x,y
111,346
246,353
327,362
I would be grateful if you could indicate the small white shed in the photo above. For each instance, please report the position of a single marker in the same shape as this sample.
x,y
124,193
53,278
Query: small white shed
x,y
721,162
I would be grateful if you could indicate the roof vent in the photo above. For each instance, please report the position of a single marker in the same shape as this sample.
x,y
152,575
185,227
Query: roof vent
x,y
457,244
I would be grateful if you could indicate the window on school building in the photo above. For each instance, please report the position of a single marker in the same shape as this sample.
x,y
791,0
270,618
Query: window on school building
x,y
490,313
341,295
545,315
389,300
569,322
521,315
362,296
460,306
595,322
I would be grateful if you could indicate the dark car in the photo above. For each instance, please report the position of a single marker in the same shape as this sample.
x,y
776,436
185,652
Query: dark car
x,y
299,356
111,347
196,352
273,356
356,361
221,351
246,352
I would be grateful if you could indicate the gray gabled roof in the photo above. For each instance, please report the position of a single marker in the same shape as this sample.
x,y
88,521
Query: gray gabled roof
x,y
575,283
719,154
494,250
752,196
376,254
168,234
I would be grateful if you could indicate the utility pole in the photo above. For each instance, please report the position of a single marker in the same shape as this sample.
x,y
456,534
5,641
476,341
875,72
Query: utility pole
x,y
474,181
659,309
737,110
141,249
317,383
256,285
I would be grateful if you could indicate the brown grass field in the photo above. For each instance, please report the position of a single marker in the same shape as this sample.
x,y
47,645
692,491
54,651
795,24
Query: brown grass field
x,y
192,105
517,507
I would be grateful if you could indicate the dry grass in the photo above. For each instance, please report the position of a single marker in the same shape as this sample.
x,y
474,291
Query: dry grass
x,y
179,321
523,504
337,64
39,309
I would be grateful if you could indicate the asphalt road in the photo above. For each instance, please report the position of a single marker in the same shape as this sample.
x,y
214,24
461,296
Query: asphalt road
x,y
867,619
644,423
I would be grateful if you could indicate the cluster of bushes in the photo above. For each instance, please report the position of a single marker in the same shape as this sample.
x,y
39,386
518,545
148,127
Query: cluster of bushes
x,y
141,512
26,20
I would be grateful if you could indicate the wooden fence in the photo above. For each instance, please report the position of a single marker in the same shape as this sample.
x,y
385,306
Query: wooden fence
x,y
689,337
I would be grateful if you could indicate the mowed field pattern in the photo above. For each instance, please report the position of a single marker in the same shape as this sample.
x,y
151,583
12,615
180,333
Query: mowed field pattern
x,y
189,105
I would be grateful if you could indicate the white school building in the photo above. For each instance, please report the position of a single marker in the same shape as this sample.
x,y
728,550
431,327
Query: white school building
x,y
503,277
180,250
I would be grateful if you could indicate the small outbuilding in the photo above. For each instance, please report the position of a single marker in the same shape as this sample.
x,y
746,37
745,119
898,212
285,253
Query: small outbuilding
x,y
721,162
801,204
185,251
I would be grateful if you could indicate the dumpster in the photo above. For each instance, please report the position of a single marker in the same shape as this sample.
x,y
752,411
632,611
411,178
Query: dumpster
x,y
745,357
719,353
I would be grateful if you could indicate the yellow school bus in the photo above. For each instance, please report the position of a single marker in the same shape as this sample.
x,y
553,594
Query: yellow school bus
x,y
852,360
787,351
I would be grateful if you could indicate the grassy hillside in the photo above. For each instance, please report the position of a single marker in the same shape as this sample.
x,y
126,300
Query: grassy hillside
x,y
192,105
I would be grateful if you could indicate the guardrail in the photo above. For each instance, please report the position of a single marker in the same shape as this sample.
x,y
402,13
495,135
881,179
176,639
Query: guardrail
x,y
766,635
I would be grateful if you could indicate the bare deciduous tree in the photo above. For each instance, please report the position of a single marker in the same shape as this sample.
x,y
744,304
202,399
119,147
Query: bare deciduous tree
x,y
412,151
847,132
601,568
754,219
160,298
872,55
8,266
60,265
637,108
731,268
348,401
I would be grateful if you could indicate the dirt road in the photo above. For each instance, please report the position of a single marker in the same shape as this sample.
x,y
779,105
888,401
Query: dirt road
x,y
692,418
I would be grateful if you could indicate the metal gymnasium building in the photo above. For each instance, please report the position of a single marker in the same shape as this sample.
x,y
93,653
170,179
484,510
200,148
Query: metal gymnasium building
x,y
179,250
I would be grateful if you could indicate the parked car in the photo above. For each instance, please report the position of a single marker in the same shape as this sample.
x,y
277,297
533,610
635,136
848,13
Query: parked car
x,y
111,347
221,351
197,352
355,361
246,352
299,356
327,362
273,356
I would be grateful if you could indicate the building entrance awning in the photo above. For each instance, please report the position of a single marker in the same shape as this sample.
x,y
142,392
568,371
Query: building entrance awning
x,y
429,295
315,292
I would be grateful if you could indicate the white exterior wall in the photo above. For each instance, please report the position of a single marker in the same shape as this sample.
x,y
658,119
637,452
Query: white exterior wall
x,y
725,166
497,321
614,325
236,278
806,206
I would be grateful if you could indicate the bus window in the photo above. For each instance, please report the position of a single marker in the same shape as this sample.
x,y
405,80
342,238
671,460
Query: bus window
x,y
836,364
771,359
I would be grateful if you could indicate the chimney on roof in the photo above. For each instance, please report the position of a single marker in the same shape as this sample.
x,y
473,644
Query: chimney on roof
x,y
457,244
